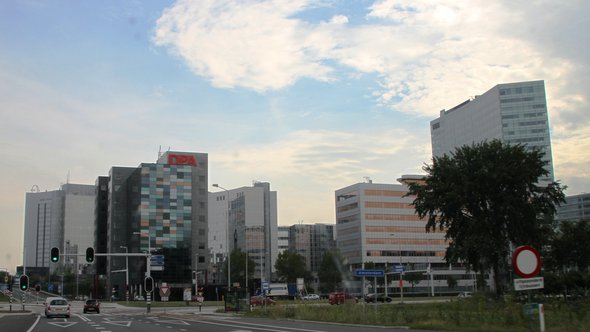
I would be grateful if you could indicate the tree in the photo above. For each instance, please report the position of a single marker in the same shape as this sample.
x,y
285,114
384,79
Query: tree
x,y
330,272
451,282
290,266
486,196
238,267
413,278
570,248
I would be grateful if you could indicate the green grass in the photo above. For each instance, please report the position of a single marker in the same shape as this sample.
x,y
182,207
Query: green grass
x,y
474,314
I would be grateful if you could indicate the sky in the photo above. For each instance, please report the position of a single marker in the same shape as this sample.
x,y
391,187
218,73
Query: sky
x,y
311,96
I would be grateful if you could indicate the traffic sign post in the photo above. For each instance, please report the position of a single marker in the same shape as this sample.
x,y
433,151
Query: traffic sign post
x,y
526,262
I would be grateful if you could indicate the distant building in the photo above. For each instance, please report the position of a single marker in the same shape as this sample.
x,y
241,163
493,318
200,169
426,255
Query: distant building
x,y
62,218
513,113
376,226
312,241
575,208
252,226
161,207
283,238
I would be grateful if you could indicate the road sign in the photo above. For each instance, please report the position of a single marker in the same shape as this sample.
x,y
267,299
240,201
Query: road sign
x,y
157,263
529,283
399,268
526,261
265,286
369,273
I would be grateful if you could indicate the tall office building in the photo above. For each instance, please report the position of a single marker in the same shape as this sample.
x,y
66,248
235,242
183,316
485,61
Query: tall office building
x,y
160,207
513,113
252,226
575,208
61,218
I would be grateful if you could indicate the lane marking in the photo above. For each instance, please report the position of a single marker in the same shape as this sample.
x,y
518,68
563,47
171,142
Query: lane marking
x,y
34,324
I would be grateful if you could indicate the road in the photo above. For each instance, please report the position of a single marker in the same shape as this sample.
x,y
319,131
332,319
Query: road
x,y
115,318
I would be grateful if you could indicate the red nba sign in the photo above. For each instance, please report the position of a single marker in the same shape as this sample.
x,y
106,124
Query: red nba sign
x,y
182,159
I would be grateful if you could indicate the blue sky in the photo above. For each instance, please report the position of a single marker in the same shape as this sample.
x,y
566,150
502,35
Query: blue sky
x,y
310,96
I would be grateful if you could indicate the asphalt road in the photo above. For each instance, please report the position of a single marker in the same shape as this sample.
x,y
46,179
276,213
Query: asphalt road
x,y
115,318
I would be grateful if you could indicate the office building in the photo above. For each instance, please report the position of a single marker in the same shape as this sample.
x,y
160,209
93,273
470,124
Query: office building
x,y
513,113
312,241
251,225
283,238
159,207
575,208
62,218
376,225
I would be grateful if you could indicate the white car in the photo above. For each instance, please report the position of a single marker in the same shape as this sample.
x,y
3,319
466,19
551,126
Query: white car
x,y
311,297
57,306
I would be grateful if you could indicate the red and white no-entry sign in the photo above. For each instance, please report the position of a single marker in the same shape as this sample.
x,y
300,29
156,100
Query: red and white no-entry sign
x,y
526,261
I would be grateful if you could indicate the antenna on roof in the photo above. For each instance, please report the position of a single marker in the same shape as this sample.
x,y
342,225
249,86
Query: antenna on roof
x,y
160,152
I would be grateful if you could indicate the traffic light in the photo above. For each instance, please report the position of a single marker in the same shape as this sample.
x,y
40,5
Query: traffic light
x,y
90,254
24,282
55,254
149,284
37,287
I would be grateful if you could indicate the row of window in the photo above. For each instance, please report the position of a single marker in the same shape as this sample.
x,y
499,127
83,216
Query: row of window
x,y
519,90
398,241
389,205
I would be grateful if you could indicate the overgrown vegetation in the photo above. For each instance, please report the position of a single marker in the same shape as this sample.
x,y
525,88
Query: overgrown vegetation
x,y
473,314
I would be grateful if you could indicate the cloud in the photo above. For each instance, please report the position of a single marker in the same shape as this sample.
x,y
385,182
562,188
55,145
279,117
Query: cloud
x,y
249,44
426,55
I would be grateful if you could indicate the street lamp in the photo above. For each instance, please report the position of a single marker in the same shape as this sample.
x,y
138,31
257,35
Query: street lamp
x,y
126,273
228,246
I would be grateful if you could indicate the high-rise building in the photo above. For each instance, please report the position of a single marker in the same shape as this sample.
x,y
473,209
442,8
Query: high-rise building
x,y
159,207
575,208
252,227
513,113
62,218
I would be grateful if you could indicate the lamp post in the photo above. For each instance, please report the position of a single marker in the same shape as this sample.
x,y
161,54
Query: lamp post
x,y
126,273
228,246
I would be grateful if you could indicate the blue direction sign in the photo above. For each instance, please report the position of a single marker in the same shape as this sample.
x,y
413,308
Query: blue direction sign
x,y
399,268
369,273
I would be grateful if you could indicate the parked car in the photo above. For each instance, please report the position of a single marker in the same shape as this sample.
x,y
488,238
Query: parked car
x,y
341,297
310,297
57,306
464,294
92,305
139,298
374,298
261,300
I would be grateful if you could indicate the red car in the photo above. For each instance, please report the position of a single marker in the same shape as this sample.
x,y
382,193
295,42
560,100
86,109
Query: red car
x,y
341,297
261,300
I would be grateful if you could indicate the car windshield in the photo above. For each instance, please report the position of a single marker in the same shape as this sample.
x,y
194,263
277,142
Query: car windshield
x,y
59,302
91,302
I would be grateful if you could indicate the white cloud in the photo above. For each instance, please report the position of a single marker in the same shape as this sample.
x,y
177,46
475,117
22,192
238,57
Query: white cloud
x,y
249,44
427,55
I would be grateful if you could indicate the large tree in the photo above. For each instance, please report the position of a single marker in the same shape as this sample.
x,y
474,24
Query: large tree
x,y
486,197
290,266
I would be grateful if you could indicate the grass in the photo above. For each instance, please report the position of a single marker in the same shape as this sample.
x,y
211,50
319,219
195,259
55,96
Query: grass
x,y
474,314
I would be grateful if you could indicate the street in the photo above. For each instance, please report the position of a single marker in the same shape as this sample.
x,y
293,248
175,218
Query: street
x,y
115,318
